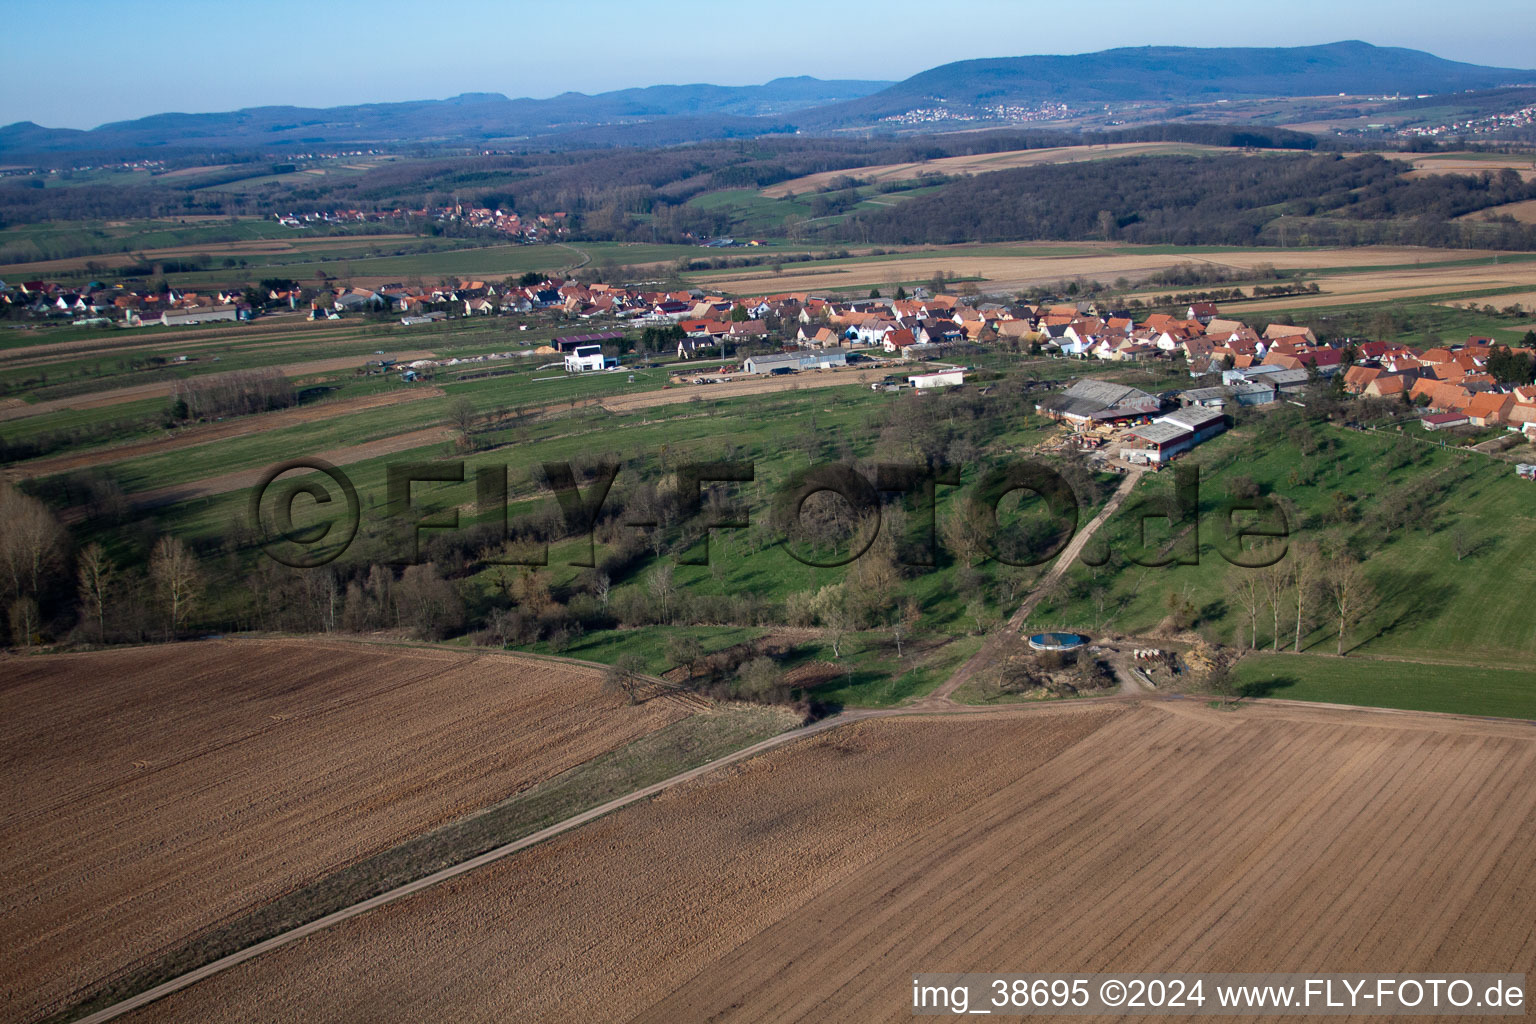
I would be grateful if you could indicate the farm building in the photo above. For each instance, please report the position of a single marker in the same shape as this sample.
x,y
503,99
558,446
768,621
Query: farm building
x,y
792,362
1204,424
1157,442
1213,398
1277,377
1090,402
587,358
1256,392
199,315
1444,420
947,379
1173,434
1525,471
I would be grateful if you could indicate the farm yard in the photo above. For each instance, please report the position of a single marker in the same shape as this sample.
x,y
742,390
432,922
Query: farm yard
x,y
815,878
157,793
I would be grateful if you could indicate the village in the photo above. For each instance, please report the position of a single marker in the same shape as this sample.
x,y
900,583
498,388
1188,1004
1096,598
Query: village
x,y
1233,364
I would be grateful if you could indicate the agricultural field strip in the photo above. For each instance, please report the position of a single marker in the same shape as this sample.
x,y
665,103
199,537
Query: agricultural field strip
x,y
1114,922
253,247
1024,269
1081,811
980,163
258,335
425,441
467,866
164,389
240,426
436,713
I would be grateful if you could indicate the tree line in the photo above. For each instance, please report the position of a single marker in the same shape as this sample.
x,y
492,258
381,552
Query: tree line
x,y
1215,200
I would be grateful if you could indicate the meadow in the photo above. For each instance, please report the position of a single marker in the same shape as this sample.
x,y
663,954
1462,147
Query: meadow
x,y
1453,689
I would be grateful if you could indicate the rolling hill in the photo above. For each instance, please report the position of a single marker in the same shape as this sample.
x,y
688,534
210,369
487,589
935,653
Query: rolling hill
x,y
1152,73
669,114
471,117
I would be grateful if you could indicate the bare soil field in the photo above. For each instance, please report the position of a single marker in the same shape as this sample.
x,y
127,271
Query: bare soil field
x,y
155,792
1523,211
1371,286
810,882
1525,299
1021,271
980,163
747,385
1462,163
207,432
164,389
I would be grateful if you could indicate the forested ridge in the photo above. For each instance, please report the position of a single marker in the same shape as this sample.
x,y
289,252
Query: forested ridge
x,y
1210,200
627,180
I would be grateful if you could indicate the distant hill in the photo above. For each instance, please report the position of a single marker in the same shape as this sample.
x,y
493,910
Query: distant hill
x,y
1151,73
470,118
667,114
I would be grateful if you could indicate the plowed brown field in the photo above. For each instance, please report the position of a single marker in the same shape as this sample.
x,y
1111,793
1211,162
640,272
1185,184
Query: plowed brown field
x,y
810,882
1017,271
155,792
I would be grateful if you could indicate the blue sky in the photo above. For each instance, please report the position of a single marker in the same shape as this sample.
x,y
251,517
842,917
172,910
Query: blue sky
x,y
75,64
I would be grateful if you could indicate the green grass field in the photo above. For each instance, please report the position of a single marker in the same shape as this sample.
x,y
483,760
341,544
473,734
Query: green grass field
x,y
1453,689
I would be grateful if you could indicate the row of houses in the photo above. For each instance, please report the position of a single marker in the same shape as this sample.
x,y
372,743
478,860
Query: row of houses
x,y
1452,384
121,305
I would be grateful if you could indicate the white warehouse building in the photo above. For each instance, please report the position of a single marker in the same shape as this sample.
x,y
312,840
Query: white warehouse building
x,y
946,379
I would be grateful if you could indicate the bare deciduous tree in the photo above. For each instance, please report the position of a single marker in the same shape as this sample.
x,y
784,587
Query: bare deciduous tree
x,y
96,575
24,621
1349,592
684,650
31,542
624,677
663,587
1306,573
1276,580
177,578
1247,592
1461,542
836,614
463,417
967,531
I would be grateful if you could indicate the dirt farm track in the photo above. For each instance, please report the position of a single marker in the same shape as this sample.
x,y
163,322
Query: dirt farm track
x,y
154,792
811,881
